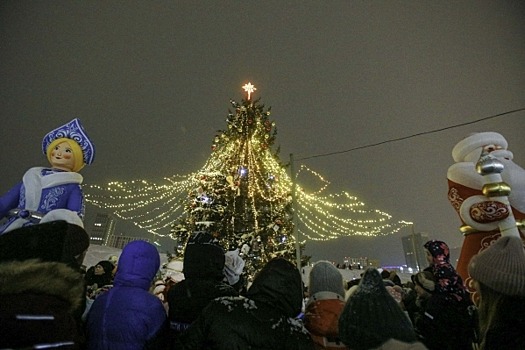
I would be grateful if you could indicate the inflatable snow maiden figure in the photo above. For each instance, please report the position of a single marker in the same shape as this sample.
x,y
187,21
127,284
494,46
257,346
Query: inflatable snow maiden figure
x,y
53,193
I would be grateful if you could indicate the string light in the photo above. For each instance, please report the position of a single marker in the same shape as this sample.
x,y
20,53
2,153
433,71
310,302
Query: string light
x,y
242,156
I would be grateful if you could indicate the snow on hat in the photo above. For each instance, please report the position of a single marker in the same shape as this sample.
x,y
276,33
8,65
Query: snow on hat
x,y
501,266
371,316
325,277
476,141
233,266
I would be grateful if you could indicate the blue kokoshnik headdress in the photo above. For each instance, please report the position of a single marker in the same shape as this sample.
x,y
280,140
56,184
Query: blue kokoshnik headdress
x,y
74,131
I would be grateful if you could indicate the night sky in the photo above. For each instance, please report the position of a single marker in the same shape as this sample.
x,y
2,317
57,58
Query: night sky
x,y
151,83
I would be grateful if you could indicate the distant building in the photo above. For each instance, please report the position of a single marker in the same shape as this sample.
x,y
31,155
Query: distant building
x,y
102,228
119,241
356,263
415,255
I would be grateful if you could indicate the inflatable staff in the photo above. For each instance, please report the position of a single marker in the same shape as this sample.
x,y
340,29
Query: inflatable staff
x,y
51,193
487,190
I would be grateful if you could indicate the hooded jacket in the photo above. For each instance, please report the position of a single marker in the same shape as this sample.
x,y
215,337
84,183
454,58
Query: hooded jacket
x,y
322,320
203,282
264,319
40,303
128,316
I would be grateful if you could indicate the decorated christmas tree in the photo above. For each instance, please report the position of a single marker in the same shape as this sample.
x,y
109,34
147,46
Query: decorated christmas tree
x,y
242,194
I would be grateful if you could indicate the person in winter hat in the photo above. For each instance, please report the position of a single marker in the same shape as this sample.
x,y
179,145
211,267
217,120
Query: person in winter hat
x,y
101,274
264,319
324,306
498,275
128,316
203,281
447,322
372,319
449,282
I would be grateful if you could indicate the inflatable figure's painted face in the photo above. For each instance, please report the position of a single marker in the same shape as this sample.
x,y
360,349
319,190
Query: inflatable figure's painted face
x,y
62,157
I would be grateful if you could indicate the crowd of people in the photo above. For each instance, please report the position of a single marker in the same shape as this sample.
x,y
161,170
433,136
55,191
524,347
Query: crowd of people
x,y
47,300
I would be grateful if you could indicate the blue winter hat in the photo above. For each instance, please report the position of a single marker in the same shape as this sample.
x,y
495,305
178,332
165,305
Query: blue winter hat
x,y
74,131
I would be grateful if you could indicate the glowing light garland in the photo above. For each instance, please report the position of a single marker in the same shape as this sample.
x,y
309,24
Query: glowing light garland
x,y
244,147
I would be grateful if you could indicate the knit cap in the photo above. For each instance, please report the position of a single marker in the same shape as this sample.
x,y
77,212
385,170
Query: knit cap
x,y
325,277
501,266
371,316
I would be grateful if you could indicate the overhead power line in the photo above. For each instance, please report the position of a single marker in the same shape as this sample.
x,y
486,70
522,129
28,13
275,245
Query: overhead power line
x,y
413,135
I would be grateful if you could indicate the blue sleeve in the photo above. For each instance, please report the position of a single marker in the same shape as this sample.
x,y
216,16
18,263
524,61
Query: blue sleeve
x,y
10,200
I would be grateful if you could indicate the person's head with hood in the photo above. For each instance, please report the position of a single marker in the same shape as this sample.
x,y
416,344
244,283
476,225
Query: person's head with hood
x,y
371,316
278,285
438,252
203,257
138,265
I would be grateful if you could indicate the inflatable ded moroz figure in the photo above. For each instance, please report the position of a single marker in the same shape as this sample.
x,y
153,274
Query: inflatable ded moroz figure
x,y
487,190
51,193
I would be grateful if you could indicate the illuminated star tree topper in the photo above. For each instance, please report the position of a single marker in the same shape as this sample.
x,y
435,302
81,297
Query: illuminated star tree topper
x,y
249,88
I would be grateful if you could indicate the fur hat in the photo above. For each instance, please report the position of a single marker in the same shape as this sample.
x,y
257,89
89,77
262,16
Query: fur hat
x,y
425,279
371,316
501,266
325,277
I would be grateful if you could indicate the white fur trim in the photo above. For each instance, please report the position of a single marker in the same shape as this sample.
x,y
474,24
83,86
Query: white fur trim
x,y
34,182
464,173
33,188
63,214
474,141
60,178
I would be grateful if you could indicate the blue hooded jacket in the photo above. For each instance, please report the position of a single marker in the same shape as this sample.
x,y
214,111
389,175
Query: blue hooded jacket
x,y
128,316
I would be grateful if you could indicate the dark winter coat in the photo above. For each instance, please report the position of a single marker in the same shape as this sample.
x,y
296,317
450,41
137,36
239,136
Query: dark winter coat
x,y
264,319
442,323
40,303
128,316
203,272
